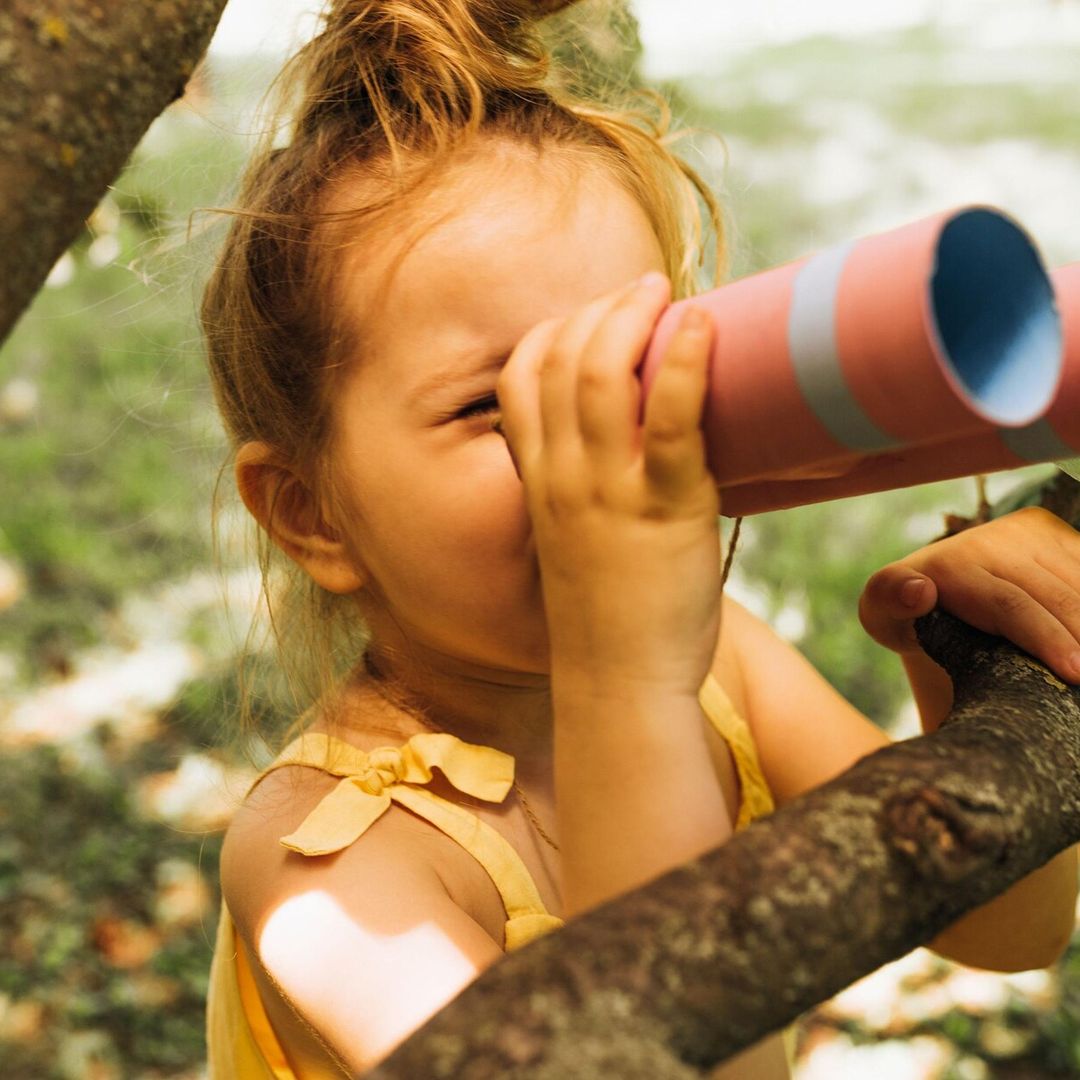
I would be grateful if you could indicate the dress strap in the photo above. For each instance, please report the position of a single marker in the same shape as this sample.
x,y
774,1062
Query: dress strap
x,y
756,799
372,780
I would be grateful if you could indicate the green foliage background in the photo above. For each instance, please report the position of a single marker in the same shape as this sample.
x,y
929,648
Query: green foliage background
x,y
105,487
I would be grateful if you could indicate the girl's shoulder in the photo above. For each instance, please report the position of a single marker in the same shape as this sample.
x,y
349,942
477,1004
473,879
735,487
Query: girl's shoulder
x,y
350,950
258,872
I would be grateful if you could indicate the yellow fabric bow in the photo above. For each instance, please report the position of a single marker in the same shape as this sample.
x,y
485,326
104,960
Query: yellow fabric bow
x,y
371,780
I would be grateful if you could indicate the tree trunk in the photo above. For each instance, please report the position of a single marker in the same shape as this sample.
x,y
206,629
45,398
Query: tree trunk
x,y
674,978
82,81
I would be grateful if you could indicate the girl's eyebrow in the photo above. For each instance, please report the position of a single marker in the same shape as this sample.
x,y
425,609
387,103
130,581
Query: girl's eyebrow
x,y
447,378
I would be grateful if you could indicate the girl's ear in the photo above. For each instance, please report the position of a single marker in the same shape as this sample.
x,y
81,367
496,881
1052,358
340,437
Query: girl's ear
x,y
283,504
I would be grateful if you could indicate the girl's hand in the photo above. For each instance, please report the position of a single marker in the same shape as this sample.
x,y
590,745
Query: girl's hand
x,y
624,512
1017,576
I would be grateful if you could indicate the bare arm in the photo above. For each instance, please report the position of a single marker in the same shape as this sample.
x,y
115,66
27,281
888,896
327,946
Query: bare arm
x,y
351,952
624,515
635,790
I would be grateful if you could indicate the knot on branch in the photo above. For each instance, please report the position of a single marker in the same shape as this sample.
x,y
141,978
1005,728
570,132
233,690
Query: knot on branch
x,y
945,838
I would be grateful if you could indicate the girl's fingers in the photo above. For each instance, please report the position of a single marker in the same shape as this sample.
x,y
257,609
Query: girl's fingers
x,y
518,393
891,601
1032,615
1017,577
672,442
1063,563
560,370
570,387
1057,588
1001,607
1044,619
609,392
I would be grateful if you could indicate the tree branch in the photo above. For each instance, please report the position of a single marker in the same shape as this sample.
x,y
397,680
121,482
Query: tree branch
x,y
82,81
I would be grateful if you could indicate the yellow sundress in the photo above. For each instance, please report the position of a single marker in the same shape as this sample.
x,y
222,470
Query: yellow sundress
x,y
241,1042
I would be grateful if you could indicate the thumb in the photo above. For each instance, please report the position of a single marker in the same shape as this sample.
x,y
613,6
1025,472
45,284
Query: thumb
x,y
891,602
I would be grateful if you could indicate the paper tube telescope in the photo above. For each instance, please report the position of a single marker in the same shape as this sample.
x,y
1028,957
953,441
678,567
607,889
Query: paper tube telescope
x,y
925,353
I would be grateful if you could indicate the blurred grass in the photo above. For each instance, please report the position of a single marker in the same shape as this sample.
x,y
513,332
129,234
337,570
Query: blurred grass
x,y
105,486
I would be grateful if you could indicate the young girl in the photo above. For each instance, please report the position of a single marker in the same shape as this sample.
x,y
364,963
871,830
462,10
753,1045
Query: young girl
x,y
544,712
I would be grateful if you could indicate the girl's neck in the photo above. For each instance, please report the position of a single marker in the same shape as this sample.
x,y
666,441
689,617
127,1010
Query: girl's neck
x,y
508,710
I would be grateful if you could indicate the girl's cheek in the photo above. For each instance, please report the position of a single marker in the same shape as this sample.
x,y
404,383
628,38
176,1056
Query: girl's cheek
x,y
503,529
505,493
515,522
482,512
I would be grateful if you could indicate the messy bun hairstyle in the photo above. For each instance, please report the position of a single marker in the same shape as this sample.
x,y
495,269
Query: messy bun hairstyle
x,y
387,92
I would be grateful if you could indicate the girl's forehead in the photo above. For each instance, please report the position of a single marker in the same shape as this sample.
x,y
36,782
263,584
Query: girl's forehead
x,y
520,242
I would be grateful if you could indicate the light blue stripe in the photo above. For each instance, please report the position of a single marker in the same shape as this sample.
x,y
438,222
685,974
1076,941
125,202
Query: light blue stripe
x,y
1037,442
812,341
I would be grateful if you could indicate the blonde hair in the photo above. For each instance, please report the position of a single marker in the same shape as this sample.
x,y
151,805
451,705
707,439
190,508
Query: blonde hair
x,y
388,91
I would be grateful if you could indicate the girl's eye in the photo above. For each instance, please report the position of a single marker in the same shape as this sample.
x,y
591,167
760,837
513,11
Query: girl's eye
x,y
480,407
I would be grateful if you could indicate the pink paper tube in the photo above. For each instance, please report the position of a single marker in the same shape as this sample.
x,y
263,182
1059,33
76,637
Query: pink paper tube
x,y
1053,437
943,328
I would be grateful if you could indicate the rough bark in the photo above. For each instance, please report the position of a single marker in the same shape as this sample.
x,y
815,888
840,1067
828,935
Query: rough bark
x,y
82,81
670,980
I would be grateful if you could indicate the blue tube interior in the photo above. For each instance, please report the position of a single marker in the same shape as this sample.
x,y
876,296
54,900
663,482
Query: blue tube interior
x,y
997,322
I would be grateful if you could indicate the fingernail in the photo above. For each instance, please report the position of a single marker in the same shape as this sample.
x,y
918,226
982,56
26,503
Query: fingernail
x,y
1074,666
694,319
911,592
